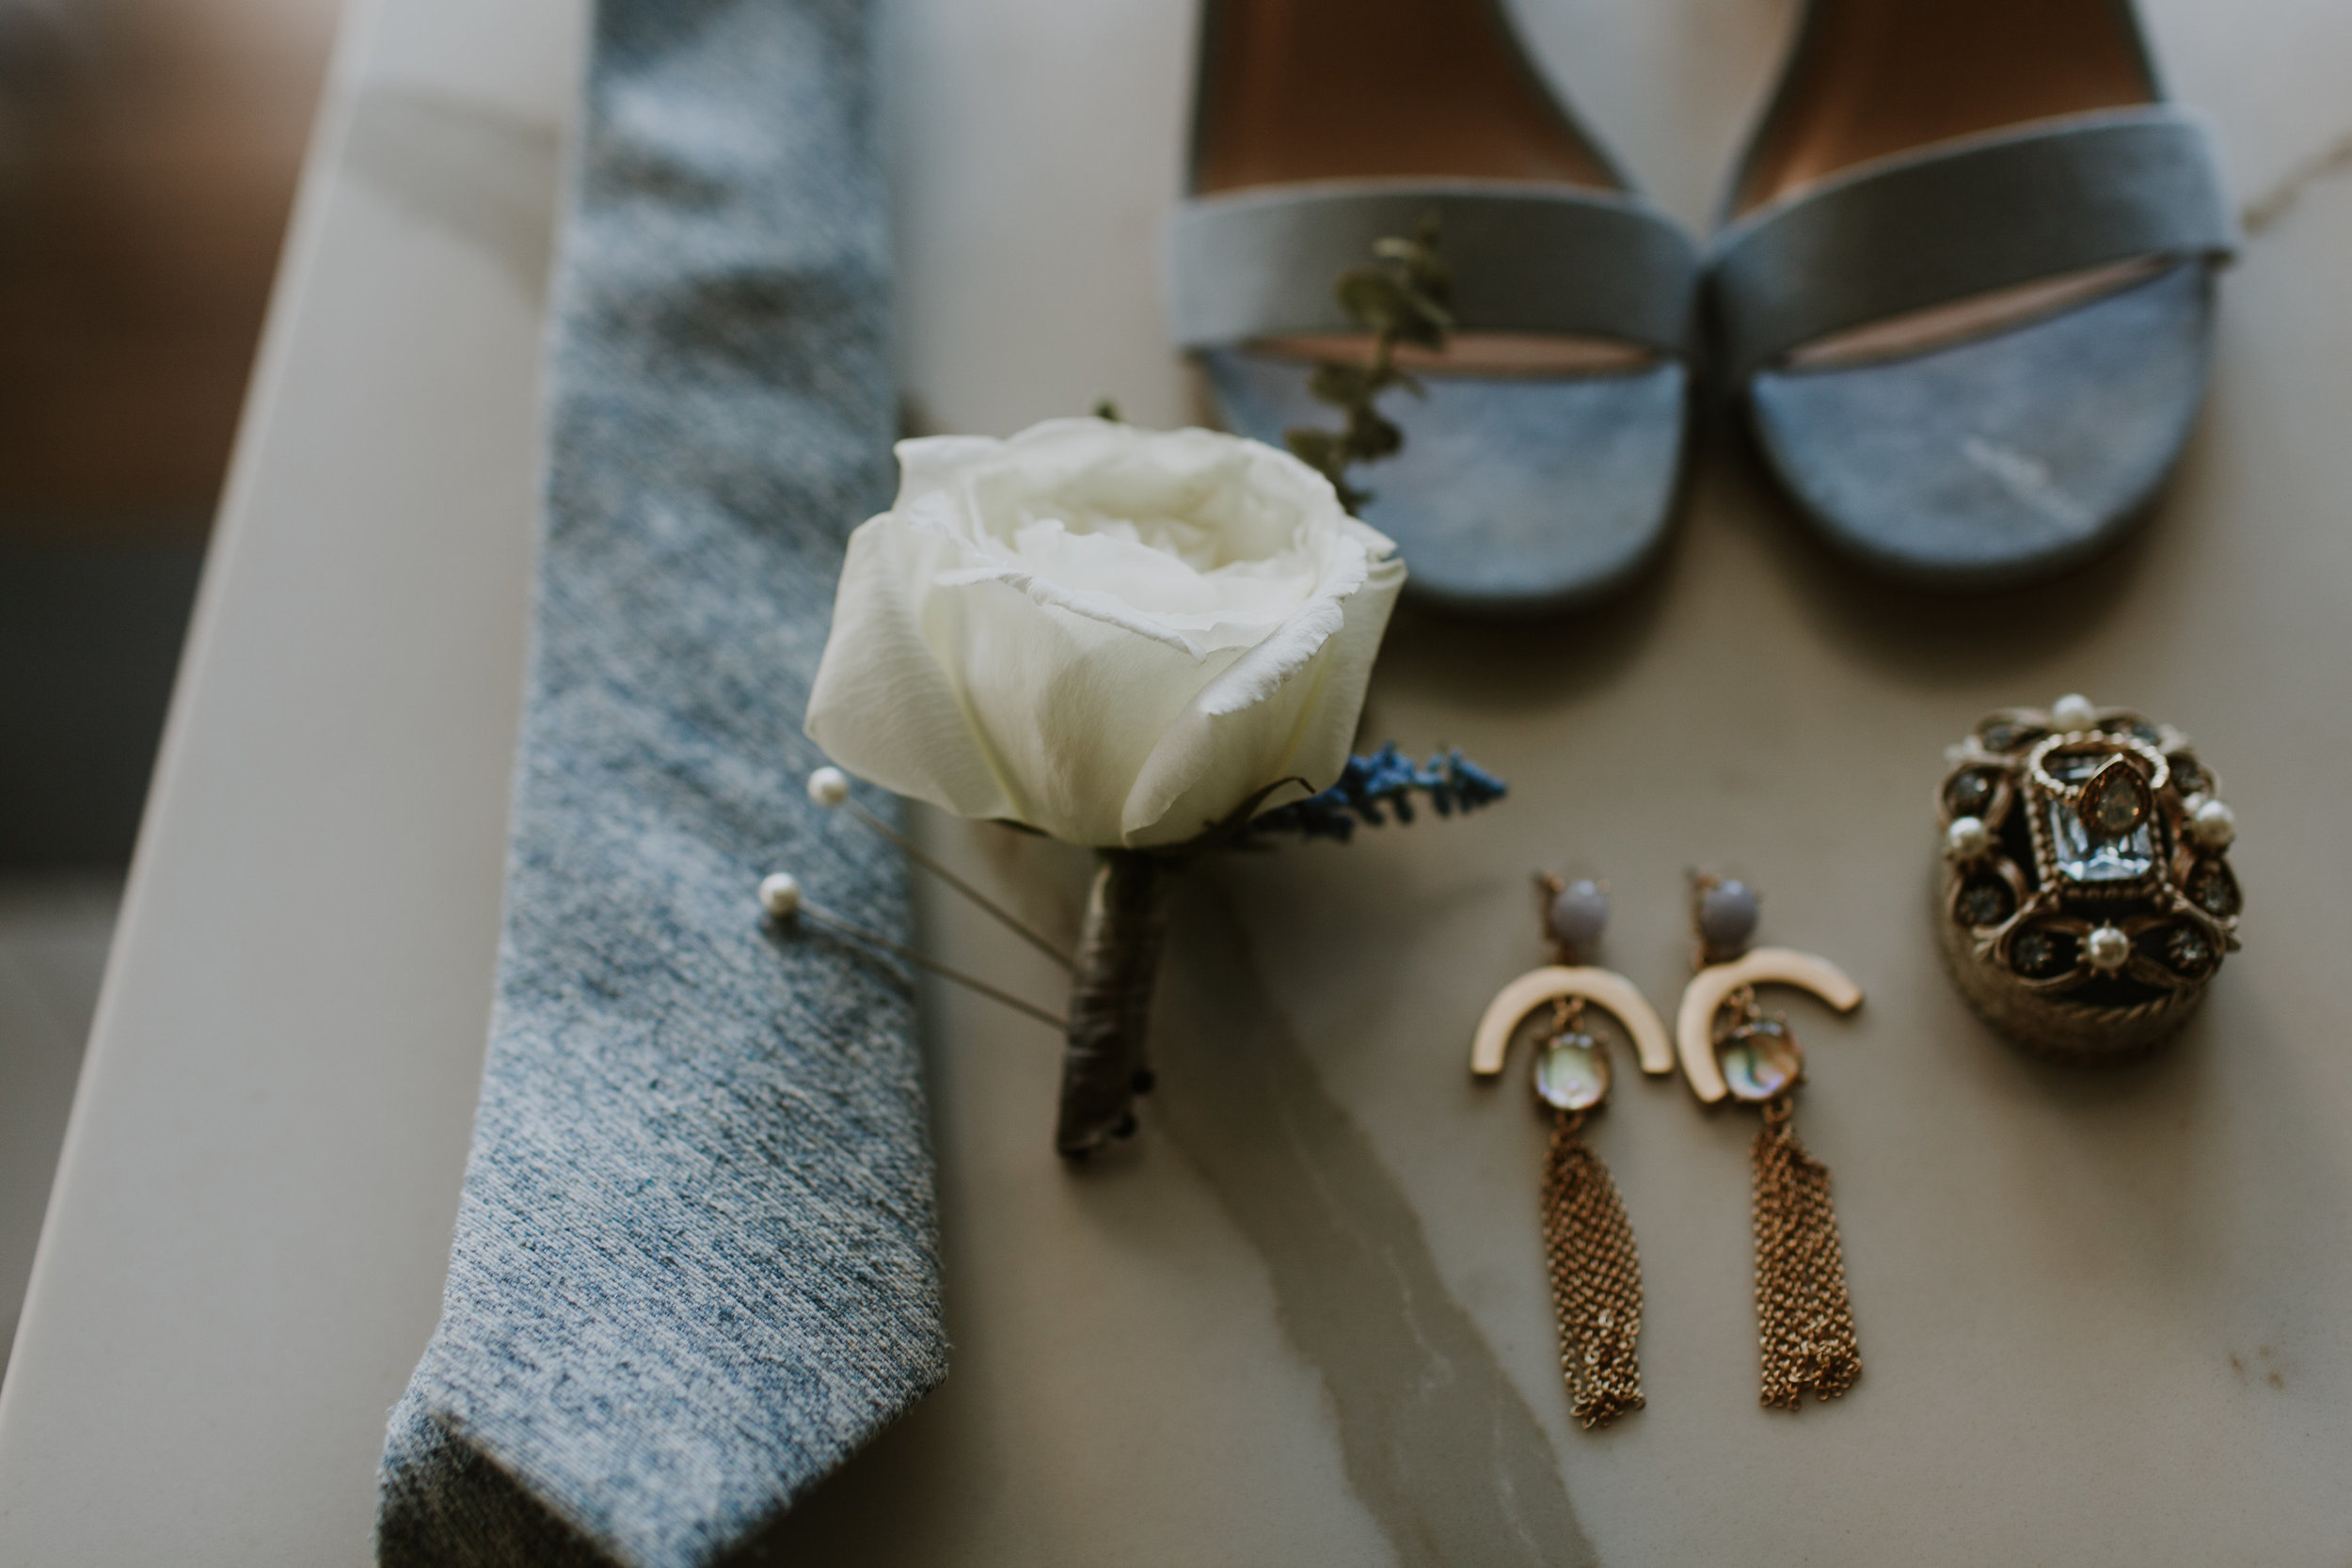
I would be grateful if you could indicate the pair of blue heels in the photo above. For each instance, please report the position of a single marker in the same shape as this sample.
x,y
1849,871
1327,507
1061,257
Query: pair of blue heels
x,y
1961,290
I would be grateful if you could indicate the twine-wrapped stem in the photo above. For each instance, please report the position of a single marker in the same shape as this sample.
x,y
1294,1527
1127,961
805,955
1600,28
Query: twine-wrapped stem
x,y
1106,1064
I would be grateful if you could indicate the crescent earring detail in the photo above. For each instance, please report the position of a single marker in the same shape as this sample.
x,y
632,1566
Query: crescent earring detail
x,y
1731,1049
1588,1244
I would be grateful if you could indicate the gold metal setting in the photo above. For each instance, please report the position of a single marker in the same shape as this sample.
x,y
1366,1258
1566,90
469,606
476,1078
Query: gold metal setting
x,y
2086,899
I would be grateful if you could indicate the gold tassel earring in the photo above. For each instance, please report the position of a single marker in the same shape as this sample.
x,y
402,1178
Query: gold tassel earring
x,y
1730,1048
1588,1244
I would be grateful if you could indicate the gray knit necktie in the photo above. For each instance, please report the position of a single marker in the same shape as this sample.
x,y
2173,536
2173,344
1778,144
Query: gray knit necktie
x,y
695,1263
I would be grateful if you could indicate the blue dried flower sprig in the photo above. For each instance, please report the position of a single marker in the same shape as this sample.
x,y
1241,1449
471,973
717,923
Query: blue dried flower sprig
x,y
1370,788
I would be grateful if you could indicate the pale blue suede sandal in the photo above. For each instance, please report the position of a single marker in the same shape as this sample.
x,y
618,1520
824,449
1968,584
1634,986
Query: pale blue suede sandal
x,y
1542,467
1967,295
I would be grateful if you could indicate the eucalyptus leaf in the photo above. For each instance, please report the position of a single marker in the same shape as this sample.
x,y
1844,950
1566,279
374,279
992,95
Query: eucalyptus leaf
x,y
1406,299
1375,299
1428,308
1318,449
1340,384
1423,271
1369,438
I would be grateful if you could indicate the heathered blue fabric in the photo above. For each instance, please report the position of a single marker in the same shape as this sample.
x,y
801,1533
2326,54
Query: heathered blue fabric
x,y
695,1263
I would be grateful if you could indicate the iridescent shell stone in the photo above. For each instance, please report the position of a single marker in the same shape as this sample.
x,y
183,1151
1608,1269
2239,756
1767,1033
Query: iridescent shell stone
x,y
1572,1072
1761,1061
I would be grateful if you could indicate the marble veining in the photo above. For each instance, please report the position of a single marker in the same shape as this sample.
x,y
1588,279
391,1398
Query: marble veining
x,y
2283,197
1438,1443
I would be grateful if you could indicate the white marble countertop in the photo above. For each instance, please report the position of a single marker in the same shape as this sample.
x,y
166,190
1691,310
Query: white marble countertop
x,y
1303,1319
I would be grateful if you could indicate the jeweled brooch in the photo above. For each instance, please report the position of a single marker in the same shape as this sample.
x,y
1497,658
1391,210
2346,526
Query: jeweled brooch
x,y
2088,898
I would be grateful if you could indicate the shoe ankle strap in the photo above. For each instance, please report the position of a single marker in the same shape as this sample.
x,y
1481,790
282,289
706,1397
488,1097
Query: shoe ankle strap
x,y
1556,260
1965,218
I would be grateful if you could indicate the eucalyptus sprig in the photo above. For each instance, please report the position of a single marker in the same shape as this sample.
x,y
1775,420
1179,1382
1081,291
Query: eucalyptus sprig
x,y
1404,298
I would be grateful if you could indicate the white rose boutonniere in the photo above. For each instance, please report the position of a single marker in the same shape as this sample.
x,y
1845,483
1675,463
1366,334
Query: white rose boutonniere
x,y
1148,643
1115,635
1144,642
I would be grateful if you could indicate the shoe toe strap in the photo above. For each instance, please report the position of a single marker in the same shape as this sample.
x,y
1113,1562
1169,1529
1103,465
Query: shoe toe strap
x,y
1965,218
1555,260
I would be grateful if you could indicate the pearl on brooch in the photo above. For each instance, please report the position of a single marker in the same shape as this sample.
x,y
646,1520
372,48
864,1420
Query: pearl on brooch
x,y
2213,825
2073,712
2108,949
780,894
829,786
1968,839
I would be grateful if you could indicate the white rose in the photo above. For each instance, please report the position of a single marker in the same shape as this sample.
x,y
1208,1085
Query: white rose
x,y
1115,635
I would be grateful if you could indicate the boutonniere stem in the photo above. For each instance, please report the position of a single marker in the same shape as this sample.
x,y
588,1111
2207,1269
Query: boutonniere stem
x,y
1105,1063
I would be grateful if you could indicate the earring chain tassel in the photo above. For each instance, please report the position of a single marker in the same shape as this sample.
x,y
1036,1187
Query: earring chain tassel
x,y
1596,1278
1805,1320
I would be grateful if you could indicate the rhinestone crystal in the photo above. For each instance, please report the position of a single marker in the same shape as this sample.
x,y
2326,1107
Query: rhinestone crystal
x,y
1970,793
2116,799
2084,859
2187,950
1985,901
2086,852
2043,953
2213,888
